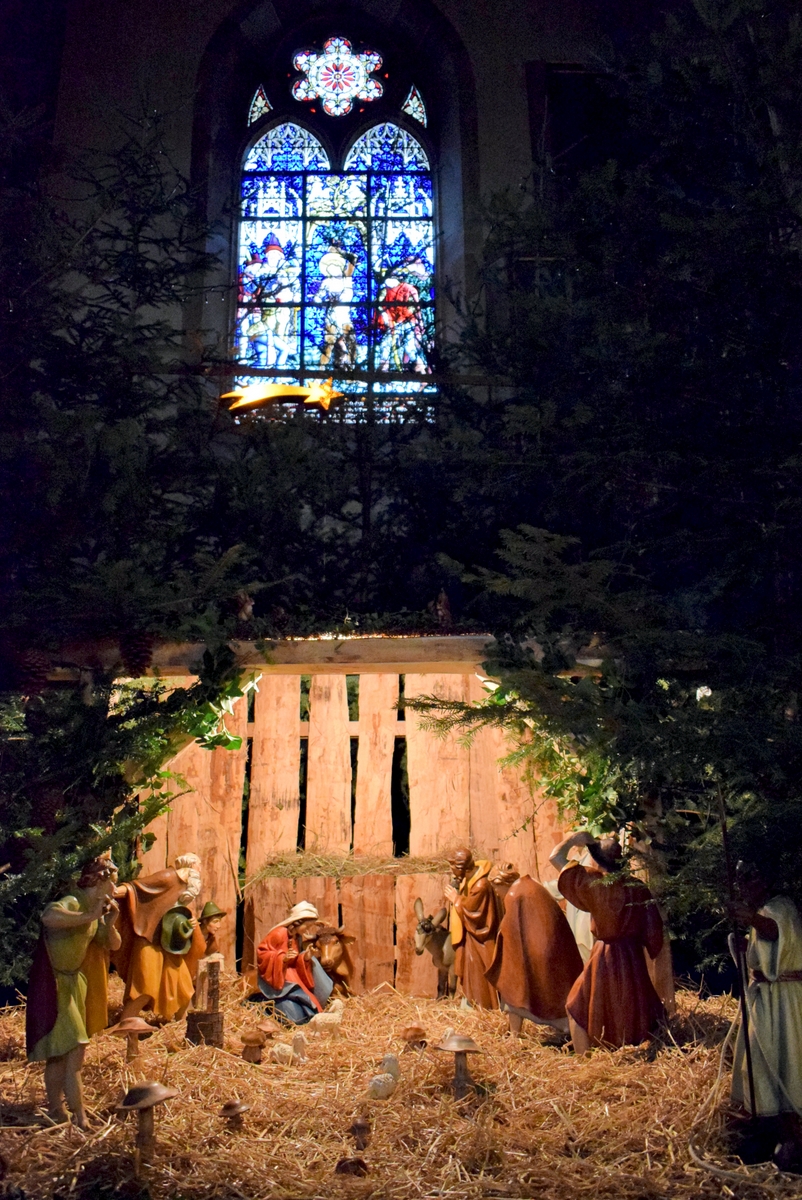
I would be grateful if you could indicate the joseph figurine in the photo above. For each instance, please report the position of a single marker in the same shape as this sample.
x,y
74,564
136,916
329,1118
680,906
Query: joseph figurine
x,y
474,921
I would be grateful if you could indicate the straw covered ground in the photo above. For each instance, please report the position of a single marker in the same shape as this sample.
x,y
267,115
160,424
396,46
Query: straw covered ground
x,y
614,1125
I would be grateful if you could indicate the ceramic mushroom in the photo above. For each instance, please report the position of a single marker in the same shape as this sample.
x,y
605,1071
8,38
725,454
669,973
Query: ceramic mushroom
x,y
414,1036
232,1112
252,1042
142,1099
135,1030
360,1131
460,1047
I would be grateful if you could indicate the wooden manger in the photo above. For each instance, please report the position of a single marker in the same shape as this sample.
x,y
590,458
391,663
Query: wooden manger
x,y
331,788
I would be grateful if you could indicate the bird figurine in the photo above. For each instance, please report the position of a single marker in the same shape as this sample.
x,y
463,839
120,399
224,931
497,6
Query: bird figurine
x,y
259,395
328,1021
381,1087
389,1066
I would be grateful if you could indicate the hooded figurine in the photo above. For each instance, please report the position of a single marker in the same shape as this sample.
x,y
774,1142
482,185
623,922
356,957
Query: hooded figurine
x,y
161,941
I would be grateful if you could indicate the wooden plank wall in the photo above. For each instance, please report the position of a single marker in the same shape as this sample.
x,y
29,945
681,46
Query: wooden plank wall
x,y
328,780
207,820
274,799
378,719
367,903
438,770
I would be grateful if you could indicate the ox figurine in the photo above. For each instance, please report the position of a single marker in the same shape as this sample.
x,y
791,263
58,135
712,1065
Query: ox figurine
x,y
331,948
432,934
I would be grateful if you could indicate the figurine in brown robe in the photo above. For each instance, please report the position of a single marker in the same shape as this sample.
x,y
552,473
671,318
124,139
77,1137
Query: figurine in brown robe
x,y
613,1002
474,922
536,959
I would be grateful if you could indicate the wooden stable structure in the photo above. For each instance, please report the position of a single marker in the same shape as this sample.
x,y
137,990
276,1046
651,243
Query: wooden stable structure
x,y
459,794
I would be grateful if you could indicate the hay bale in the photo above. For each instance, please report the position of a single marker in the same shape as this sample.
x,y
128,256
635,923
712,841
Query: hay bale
x,y
613,1126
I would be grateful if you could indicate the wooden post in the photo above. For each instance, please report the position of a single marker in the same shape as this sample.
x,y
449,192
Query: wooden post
x,y
328,781
207,1026
368,910
274,801
378,719
438,769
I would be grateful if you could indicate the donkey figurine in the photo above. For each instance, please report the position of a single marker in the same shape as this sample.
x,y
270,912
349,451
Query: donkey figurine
x,y
432,934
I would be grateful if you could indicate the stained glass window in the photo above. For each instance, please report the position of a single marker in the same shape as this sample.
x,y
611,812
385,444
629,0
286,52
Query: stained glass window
x,y
414,107
337,265
337,76
260,106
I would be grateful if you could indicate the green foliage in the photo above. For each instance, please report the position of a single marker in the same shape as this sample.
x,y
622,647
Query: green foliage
x,y
642,327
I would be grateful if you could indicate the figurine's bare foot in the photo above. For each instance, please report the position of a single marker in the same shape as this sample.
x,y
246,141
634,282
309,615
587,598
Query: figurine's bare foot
x,y
516,1024
579,1037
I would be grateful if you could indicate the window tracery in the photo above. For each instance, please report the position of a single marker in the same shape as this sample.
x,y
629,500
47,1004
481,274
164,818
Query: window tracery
x,y
337,76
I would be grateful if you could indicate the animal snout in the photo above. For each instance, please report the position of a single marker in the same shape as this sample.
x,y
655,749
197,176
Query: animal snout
x,y
419,949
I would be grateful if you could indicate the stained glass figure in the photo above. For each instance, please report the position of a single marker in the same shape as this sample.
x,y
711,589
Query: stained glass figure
x,y
414,107
260,106
337,76
337,267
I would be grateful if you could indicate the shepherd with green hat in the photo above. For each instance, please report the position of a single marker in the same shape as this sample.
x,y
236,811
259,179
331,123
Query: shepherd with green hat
x,y
210,920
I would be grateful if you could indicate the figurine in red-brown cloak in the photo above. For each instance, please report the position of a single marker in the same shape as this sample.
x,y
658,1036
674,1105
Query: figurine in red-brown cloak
x,y
536,960
613,1002
474,921
289,974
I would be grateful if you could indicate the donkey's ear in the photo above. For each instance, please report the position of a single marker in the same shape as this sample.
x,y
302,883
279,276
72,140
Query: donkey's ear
x,y
419,913
439,917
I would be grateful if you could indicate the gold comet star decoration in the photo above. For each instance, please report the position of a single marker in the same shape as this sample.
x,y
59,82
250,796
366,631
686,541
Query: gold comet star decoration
x,y
258,395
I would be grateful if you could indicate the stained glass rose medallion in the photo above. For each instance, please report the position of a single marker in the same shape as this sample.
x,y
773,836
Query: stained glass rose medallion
x,y
337,76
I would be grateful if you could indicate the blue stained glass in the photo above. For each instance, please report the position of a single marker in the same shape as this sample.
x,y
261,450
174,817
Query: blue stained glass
x,y
273,197
387,148
405,195
337,268
287,147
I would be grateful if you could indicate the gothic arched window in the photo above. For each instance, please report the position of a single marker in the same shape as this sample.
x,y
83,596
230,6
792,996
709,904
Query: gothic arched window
x,y
336,263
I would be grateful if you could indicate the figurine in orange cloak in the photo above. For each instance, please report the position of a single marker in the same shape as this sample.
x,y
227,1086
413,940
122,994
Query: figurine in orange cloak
x,y
536,959
613,1003
161,941
289,975
474,922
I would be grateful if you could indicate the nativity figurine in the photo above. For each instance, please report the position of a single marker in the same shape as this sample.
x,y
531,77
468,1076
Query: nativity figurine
x,y
774,1005
161,940
474,922
613,1002
288,972
68,986
536,960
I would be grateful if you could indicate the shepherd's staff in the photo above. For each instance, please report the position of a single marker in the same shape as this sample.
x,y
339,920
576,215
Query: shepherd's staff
x,y
740,958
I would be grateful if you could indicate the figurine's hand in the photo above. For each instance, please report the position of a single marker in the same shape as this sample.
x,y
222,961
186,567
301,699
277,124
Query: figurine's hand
x,y
97,909
451,894
193,924
111,913
290,957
